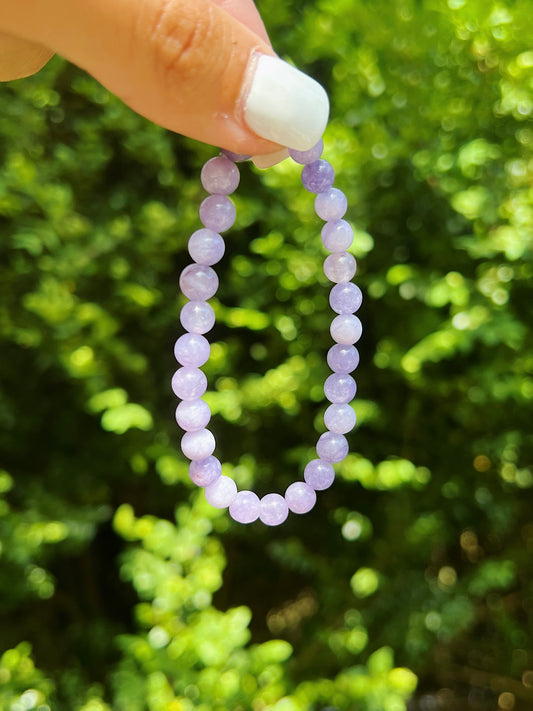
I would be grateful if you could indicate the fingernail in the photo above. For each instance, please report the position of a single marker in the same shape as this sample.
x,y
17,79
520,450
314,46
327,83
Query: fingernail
x,y
269,159
284,105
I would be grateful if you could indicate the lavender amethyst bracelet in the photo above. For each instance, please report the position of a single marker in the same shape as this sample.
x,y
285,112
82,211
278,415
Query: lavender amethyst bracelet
x,y
199,282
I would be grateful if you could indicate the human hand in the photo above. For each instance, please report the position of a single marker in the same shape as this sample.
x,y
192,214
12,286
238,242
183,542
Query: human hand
x,y
203,68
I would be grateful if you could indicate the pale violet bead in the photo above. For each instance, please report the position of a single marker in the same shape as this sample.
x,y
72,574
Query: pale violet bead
x,y
318,176
331,204
340,418
198,282
193,414
192,350
222,492
220,176
343,358
345,298
273,509
204,472
206,247
309,156
340,388
340,267
199,444
189,383
319,474
217,213
300,497
346,329
245,507
332,447
337,236
197,317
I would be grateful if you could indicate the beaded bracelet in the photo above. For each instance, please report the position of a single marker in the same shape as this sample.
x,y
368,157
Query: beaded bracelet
x,y
199,282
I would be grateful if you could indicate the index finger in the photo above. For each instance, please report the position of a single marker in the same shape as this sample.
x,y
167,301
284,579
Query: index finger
x,y
247,13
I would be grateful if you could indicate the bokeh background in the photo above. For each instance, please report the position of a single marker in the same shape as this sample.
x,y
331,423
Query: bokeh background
x,y
409,586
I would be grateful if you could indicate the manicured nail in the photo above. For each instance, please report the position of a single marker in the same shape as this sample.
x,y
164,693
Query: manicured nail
x,y
269,159
284,105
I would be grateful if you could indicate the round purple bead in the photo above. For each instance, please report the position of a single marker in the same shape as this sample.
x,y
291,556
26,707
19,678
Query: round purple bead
x,y
204,472
343,358
273,509
337,236
332,447
345,298
340,418
222,492
340,267
217,213
309,156
198,444
346,329
206,246
189,383
245,507
197,317
192,350
318,176
193,415
340,388
198,282
300,497
319,475
220,176
331,204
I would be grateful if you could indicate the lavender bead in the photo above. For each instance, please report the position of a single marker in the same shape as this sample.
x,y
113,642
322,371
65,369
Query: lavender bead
x,y
345,298
346,329
340,267
319,475
220,176
198,282
318,176
192,350
309,156
273,509
193,415
337,236
206,247
189,383
332,447
340,418
217,213
235,157
340,388
245,507
222,492
343,358
197,317
198,444
300,497
204,472
331,204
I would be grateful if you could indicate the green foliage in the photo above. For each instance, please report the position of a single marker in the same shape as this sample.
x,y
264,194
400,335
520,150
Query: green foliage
x,y
119,587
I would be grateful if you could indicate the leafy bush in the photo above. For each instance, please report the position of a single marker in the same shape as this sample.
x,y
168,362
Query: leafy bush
x,y
414,571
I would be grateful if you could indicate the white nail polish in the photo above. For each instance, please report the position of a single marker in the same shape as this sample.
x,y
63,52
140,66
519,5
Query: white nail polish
x,y
284,105
269,159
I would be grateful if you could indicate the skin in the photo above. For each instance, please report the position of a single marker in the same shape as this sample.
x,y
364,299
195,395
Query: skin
x,y
183,64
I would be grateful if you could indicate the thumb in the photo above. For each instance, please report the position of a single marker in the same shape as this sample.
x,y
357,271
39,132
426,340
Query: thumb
x,y
188,65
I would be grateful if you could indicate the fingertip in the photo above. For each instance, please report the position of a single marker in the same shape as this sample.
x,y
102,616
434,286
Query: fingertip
x,y
267,160
20,58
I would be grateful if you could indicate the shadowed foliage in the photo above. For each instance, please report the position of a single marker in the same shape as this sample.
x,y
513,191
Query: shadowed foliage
x,y
409,585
